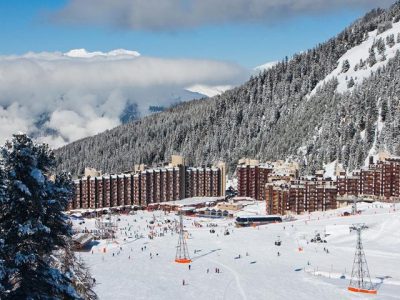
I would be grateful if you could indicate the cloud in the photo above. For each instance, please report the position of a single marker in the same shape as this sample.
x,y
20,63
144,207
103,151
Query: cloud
x,y
178,14
61,97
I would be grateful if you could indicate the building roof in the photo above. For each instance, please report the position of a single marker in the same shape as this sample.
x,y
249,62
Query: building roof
x,y
192,201
82,238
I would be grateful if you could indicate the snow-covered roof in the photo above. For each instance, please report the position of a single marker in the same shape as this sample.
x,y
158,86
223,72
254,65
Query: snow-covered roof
x,y
187,208
192,201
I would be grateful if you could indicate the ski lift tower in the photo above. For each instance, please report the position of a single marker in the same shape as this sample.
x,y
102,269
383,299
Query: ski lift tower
x,y
182,252
360,281
107,226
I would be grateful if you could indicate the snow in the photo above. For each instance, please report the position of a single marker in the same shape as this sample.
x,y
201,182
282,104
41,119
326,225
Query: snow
x,y
37,175
362,134
330,169
266,66
233,182
132,273
22,187
208,90
192,201
378,129
354,55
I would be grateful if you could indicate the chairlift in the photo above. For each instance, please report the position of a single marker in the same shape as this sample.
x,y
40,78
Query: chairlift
x,y
278,242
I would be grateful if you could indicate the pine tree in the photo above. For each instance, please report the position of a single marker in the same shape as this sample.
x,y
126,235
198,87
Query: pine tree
x,y
350,83
345,66
32,223
3,271
384,110
371,57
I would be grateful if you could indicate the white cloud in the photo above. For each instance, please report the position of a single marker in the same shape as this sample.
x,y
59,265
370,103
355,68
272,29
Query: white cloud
x,y
61,97
178,14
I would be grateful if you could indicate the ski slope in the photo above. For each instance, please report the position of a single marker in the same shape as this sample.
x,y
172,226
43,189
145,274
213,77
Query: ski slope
x,y
354,55
133,273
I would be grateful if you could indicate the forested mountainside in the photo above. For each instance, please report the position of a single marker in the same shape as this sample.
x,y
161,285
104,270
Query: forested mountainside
x,y
305,107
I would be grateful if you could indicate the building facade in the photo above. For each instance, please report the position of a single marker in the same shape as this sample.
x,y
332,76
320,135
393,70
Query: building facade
x,y
379,181
252,180
149,186
299,196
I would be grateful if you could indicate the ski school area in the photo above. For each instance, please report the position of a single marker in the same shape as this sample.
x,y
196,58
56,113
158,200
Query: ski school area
x,y
309,257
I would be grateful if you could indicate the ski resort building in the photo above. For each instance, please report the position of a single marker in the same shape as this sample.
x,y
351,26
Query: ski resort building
x,y
252,180
299,196
252,176
379,181
148,186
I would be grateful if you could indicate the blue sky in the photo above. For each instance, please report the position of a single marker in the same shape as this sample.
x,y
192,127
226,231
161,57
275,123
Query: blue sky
x,y
26,26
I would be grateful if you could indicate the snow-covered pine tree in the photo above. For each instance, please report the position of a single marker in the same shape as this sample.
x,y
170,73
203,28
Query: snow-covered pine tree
x,y
350,83
371,58
64,258
80,275
345,66
32,224
3,273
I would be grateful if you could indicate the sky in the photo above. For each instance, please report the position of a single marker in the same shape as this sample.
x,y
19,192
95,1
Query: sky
x,y
172,51
249,40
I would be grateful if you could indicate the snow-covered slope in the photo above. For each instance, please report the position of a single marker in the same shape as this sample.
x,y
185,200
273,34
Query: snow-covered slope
x,y
265,66
208,90
362,52
136,267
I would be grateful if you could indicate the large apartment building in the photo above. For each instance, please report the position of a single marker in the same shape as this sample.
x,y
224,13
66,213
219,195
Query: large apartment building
x,y
379,181
149,185
300,195
253,176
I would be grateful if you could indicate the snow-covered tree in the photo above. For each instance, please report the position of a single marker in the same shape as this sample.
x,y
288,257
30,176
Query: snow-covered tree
x,y
345,66
371,57
380,46
3,272
32,223
390,40
350,83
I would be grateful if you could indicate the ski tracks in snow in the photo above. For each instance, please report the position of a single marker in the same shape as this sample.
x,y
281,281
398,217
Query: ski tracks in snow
x,y
235,275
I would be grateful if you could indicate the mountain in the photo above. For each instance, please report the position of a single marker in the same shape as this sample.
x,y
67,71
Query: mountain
x,y
266,66
337,102
208,90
